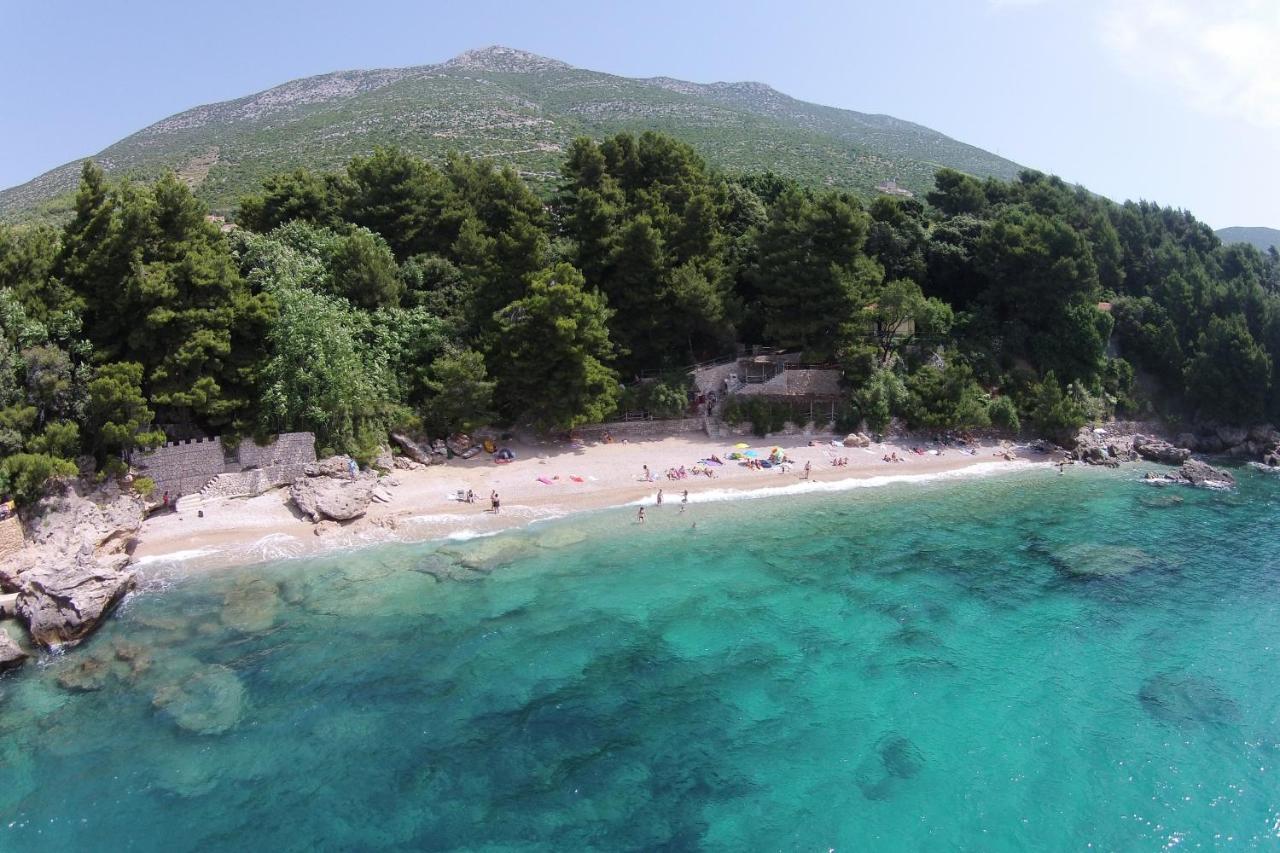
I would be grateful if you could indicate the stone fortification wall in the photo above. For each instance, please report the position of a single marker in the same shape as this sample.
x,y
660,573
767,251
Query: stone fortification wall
x,y
184,467
289,448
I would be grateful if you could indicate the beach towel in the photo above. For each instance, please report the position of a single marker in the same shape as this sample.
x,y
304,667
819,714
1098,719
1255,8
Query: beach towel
x,y
576,478
546,481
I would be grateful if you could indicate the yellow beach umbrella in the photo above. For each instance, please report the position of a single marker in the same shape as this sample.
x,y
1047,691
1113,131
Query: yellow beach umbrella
x,y
742,445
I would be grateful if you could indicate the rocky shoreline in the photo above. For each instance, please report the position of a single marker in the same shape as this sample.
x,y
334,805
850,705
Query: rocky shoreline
x,y
73,568
1111,448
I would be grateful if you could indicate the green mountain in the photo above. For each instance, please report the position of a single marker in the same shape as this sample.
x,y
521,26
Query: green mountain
x,y
1262,238
517,108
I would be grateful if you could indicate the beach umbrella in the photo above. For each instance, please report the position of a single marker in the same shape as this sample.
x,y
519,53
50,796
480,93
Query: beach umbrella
x,y
750,454
742,445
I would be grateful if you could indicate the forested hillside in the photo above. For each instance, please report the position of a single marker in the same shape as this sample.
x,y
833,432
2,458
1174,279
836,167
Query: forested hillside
x,y
393,293
511,108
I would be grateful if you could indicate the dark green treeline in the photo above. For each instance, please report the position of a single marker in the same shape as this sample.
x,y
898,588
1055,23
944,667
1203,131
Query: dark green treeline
x,y
401,294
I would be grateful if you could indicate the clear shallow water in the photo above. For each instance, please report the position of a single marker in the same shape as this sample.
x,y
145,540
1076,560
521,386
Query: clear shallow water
x,y
1018,662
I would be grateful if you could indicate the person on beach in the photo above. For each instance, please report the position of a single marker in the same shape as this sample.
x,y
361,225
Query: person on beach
x,y
494,503
640,516
807,468
648,478
659,497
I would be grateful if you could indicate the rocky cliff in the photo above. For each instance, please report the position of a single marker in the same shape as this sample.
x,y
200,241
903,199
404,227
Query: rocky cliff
x,y
73,569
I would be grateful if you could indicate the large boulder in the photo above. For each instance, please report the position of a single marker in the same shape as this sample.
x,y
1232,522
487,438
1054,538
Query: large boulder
x,y
11,654
1187,440
1210,444
1231,436
1264,434
412,449
63,604
1160,451
334,466
329,497
856,439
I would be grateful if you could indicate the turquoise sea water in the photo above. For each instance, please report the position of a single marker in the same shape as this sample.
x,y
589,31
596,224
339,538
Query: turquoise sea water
x,y
1018,662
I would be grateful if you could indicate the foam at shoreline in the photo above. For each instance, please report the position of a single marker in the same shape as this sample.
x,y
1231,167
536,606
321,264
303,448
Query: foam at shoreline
x,y
285,546
804,487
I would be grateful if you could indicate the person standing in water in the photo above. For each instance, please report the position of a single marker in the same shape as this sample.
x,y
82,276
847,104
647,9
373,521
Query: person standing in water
x,y
684,500
640,516
659,503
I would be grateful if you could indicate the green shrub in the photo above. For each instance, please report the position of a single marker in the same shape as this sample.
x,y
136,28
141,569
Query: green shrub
x,y
764,416
144,486
880,398
26,475
945,399
667,397
1004,414
1055,414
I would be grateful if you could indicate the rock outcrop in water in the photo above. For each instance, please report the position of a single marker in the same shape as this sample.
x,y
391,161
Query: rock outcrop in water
x,y
73,570
1194,473
62,606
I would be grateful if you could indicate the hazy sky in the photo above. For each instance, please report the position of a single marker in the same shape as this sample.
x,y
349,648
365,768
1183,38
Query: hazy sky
x,y
1169,100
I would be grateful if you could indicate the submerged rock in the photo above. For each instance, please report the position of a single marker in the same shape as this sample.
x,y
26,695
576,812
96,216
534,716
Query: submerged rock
x,y
561,537
488,553
1182,699
118,662
207,702
85,675
902,759
1164,501
894,759
1089,559
250,605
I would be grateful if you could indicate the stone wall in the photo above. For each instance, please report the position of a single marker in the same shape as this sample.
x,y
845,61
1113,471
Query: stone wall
x,y
634,430
184,467
11,538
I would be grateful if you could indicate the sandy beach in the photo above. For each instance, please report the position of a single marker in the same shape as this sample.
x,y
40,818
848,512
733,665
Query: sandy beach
x,y
424,506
